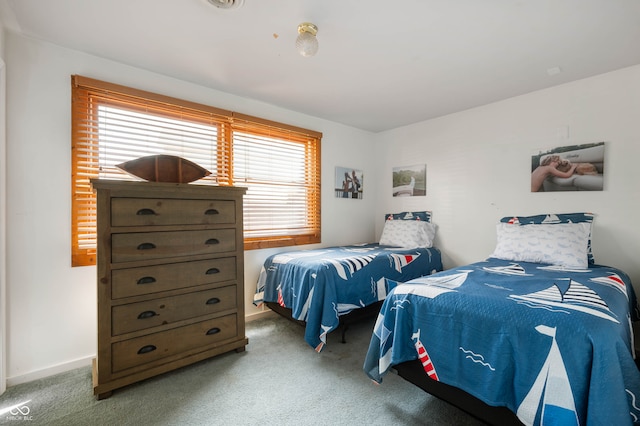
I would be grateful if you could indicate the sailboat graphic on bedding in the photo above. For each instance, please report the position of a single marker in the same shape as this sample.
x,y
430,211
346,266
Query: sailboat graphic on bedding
x,y
451,281
613,280
435,284
578,297
281,297
345,268
511,269
550,396
424,357
399,261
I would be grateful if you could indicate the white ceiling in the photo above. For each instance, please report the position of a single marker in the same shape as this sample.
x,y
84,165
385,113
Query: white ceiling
x,y
380,64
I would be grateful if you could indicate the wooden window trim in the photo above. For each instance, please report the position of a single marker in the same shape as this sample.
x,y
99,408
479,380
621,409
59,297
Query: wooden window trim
x,y
118,94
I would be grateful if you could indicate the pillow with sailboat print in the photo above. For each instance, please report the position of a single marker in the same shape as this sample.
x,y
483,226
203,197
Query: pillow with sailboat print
x,y
563,244
408,233
557,218
423,215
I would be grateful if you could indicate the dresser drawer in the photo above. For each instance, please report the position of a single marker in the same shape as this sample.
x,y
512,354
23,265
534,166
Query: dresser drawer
x,y
171,276
147,349
134,246
167,211
167,310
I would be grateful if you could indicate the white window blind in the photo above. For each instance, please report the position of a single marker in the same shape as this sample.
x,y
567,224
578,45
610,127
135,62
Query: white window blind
x,y
278,163
125,134
274,173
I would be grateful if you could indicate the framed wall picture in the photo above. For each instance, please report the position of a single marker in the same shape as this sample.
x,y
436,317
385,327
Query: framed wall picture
x,y
410,181
568,168
349,183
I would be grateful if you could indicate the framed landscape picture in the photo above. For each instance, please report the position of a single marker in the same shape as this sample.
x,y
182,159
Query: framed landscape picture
x,y
410,181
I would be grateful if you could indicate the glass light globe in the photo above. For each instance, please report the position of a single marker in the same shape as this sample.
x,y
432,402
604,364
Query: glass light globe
x,y
307,44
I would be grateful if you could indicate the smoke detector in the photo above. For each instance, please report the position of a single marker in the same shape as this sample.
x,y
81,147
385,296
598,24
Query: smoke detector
x,y
226,4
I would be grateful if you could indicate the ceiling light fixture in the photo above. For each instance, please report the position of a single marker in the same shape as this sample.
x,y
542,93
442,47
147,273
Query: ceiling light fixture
x,y
307,43
226,4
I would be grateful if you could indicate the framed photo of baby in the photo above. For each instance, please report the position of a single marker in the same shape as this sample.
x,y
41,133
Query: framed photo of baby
x,y
568,168
349,183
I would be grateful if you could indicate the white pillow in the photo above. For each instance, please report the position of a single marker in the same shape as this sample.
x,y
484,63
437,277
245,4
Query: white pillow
x,y
562,244
408,233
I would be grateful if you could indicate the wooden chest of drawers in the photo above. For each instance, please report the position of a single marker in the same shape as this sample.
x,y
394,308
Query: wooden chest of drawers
x,y
170,278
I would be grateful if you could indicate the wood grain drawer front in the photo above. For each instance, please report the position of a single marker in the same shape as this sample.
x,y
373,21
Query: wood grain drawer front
x,y
168,310
153,347
171,276
159,245
167,211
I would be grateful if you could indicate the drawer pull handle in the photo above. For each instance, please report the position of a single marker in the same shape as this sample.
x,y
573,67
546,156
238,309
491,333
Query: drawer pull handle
x,y
214,330
212,241
146,280
146,349
145,212
147,314
212,271
213,301
211,212
146,246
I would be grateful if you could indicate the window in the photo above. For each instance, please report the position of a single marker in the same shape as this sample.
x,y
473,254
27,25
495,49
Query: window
x,y
279,164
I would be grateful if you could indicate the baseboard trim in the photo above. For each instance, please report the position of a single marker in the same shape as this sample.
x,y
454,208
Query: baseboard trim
x,y
86,362
260,315
50,371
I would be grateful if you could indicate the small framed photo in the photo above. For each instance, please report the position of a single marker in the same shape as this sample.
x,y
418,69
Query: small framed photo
x,y
410,181
349,183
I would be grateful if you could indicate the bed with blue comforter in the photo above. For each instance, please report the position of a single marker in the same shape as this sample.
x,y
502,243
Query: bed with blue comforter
x,y
552,344
320,286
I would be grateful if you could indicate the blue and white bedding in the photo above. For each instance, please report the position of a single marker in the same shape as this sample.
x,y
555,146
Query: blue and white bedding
x,y
322,284
553,345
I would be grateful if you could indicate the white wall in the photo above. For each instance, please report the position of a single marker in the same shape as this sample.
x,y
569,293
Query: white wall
x,y
3,204
479,164
52,307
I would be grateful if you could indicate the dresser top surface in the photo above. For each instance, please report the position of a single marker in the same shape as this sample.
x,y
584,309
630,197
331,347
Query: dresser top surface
x,y
164,189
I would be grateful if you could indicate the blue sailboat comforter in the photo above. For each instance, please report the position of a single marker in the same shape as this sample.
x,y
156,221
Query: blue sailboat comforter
x,y
553,345
320,285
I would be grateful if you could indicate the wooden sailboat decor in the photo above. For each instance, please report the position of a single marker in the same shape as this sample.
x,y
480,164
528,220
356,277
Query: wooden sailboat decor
x,y
164,168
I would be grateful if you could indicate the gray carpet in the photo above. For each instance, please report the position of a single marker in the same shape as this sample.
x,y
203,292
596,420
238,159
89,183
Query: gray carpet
x,y
278,380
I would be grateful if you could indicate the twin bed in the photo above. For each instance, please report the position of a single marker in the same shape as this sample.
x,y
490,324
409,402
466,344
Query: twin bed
x,y
325,288
535,334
